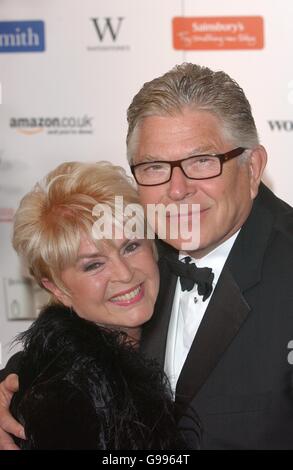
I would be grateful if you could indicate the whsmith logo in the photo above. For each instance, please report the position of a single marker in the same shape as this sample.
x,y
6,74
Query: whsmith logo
x,y
107,32
281,125
53,125
22,36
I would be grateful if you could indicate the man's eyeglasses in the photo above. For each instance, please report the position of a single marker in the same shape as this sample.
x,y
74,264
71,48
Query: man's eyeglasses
x,y
197,167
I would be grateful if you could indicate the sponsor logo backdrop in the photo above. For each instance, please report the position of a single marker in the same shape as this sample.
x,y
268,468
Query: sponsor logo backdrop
x,y
69,68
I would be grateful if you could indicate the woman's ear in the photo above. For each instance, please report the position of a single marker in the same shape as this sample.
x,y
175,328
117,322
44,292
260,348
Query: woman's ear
x,y
57,292
257,164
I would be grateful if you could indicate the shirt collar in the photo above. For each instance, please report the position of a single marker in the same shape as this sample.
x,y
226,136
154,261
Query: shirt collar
x,y
216,258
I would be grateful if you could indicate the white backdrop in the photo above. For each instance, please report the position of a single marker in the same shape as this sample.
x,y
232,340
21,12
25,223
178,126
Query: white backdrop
x,y
97,54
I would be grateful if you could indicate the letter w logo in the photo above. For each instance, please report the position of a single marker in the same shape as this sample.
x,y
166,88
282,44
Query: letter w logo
x,y
107,26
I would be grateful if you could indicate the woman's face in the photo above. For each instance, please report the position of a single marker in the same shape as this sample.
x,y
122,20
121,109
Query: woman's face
x,y
115,284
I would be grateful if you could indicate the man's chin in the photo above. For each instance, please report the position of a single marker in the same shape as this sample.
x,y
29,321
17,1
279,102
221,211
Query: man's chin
x,y
184,245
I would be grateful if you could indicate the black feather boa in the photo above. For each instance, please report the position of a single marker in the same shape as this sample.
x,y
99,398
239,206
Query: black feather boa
x,y
85,387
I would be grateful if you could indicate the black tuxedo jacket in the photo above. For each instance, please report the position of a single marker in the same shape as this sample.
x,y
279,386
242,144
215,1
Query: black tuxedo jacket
x,y
238,375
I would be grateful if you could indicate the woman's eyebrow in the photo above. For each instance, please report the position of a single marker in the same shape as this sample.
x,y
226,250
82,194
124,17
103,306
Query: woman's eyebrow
x,y
97,253
90,255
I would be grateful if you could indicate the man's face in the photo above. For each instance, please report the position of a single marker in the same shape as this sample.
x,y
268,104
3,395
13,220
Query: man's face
x,y
225,201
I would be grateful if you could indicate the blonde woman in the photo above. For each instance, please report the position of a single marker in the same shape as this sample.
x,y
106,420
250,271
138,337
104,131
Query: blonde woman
x,y
83,384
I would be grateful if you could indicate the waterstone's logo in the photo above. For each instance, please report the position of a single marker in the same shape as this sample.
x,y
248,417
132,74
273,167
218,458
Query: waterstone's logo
x,y
22,36
107,32
281,125
132,221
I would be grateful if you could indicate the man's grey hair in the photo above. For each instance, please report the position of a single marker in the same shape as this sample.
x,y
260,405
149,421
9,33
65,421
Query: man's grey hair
x,y
198,88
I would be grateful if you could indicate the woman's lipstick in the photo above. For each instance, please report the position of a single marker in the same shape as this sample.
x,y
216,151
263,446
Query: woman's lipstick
x,y
128,297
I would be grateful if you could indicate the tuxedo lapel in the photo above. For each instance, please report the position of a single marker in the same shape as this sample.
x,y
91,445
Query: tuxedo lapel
x,y
224,316
228,308
154,333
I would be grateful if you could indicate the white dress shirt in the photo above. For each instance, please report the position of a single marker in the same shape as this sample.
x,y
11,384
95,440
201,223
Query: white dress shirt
x,y
188,310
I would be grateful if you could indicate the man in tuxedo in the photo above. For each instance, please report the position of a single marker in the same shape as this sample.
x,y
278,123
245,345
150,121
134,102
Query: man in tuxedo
x,y
192,140
223,321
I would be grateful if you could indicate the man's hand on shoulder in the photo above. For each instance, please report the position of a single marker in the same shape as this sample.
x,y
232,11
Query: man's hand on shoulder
x,y
8,425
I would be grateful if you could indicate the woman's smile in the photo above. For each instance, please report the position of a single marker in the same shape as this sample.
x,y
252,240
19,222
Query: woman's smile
x,y
112,283
129,297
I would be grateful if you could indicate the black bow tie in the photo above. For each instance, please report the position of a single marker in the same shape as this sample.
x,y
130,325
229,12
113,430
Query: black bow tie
x,y
190,274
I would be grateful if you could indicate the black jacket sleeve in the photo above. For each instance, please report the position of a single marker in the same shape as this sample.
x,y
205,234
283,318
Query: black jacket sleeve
x,y
12,366
59,416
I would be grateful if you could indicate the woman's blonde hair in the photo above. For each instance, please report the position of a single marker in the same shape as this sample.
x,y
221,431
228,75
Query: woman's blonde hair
x,y
50,219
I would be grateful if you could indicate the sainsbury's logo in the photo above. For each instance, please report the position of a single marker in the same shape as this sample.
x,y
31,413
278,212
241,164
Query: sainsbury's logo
x,y
22,36
218,33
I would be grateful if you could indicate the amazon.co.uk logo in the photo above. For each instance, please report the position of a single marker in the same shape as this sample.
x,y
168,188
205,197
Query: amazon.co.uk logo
x,y
53,125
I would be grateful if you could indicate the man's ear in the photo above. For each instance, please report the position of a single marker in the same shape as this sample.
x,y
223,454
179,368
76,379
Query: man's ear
x,y
57,292
257,164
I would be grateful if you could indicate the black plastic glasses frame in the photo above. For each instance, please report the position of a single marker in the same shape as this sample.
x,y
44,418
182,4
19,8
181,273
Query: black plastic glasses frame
x,y
223,157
